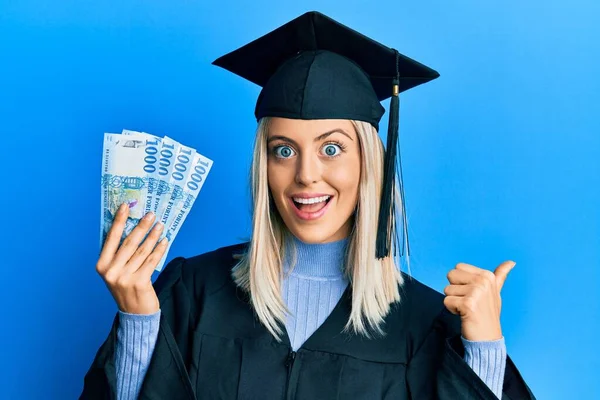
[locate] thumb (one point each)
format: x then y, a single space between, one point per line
502 272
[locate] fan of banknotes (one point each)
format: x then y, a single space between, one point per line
149 173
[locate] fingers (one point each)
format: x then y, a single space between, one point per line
153 259
459 277
145 249
460 305
458 290
113 238
453 304
471 269
468 267
133 240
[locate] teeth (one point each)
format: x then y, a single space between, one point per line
311 201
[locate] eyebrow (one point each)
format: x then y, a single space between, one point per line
318 138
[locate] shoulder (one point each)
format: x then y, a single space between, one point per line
211 270
424 310
200 274
418 296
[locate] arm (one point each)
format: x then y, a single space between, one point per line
488 360
438 370
166 376
136 338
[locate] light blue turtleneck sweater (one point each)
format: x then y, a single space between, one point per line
311 291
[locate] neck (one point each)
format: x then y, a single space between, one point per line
324 260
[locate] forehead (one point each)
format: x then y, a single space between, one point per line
308 127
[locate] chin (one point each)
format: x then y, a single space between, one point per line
314 234
311 238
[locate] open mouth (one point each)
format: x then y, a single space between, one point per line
313 205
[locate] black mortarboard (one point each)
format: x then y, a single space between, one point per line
316 68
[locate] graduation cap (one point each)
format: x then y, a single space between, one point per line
313 67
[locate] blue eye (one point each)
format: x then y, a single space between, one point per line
330 150
286 151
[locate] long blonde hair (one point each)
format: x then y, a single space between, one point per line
375 283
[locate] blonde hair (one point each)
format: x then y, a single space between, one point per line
375 283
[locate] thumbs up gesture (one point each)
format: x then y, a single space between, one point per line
474 294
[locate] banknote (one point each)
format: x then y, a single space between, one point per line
125 170
166 162
182 164
181 208
153 177
149 173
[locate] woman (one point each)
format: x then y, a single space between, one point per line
311 307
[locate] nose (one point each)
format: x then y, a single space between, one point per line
308 170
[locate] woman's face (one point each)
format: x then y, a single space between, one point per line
316 161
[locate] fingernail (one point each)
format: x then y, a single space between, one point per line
123 207
159 226
149 216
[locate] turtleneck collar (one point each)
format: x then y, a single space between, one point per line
321 260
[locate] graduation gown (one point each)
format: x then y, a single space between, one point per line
211 346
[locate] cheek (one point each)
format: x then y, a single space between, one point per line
270 175
277 178
345 179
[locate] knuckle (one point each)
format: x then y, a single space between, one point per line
126 241
156 232
145 249
487 284
469 303
122 282
142 225
139 251
447 301
100 268
111 277
489 275
153 257
145 223
153 232
152 239
481 280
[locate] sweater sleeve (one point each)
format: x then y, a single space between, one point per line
488 360
166 376
136 338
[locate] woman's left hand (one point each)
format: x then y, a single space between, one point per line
474 294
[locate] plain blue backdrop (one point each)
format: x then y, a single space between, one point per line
500 157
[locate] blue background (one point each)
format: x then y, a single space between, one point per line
500 157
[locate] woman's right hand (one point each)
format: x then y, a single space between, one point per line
127 270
